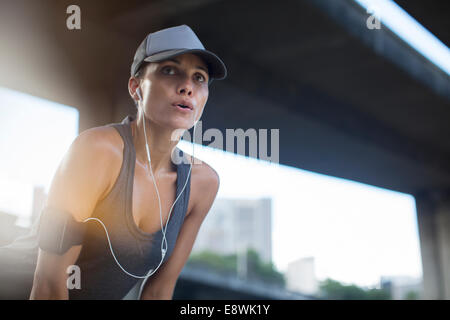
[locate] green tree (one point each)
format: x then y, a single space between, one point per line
412 295
378 294
220 263
334 290
256 268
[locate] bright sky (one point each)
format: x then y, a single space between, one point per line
357 233
31 151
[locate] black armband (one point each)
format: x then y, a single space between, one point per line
59 231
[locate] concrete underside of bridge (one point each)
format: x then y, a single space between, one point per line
350 102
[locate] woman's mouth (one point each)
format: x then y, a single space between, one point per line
184 107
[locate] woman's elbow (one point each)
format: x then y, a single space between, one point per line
45 288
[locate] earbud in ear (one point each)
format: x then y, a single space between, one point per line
138 92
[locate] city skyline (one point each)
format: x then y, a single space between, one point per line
235 225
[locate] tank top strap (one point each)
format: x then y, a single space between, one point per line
182 168
183 175
124 181
126 175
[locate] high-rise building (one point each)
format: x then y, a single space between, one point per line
234 225
301 276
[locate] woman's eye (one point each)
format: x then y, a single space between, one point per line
168 70
200 77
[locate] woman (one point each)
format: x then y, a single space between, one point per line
141 211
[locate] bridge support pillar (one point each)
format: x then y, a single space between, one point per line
433 216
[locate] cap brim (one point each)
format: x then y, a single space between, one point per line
216 67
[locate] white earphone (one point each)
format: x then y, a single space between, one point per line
138 92
164 244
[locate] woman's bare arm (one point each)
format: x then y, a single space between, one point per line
161 285
81 180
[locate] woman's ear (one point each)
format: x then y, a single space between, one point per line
133 84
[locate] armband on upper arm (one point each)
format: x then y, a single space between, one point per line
59 231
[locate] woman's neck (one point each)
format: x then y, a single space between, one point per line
159 144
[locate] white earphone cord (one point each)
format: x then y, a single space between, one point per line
163 229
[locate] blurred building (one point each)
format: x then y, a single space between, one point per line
233 225
301 277
8 229
39 198
402 286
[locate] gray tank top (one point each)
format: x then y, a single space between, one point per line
136 250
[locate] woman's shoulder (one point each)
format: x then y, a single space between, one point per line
105 143
103 140
102 134
205 182
202 172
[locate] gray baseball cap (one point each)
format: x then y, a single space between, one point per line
174 41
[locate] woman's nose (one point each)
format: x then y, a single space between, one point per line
185 88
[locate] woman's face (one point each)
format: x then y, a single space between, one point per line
180 80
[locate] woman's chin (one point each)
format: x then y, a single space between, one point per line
184 124
180 126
